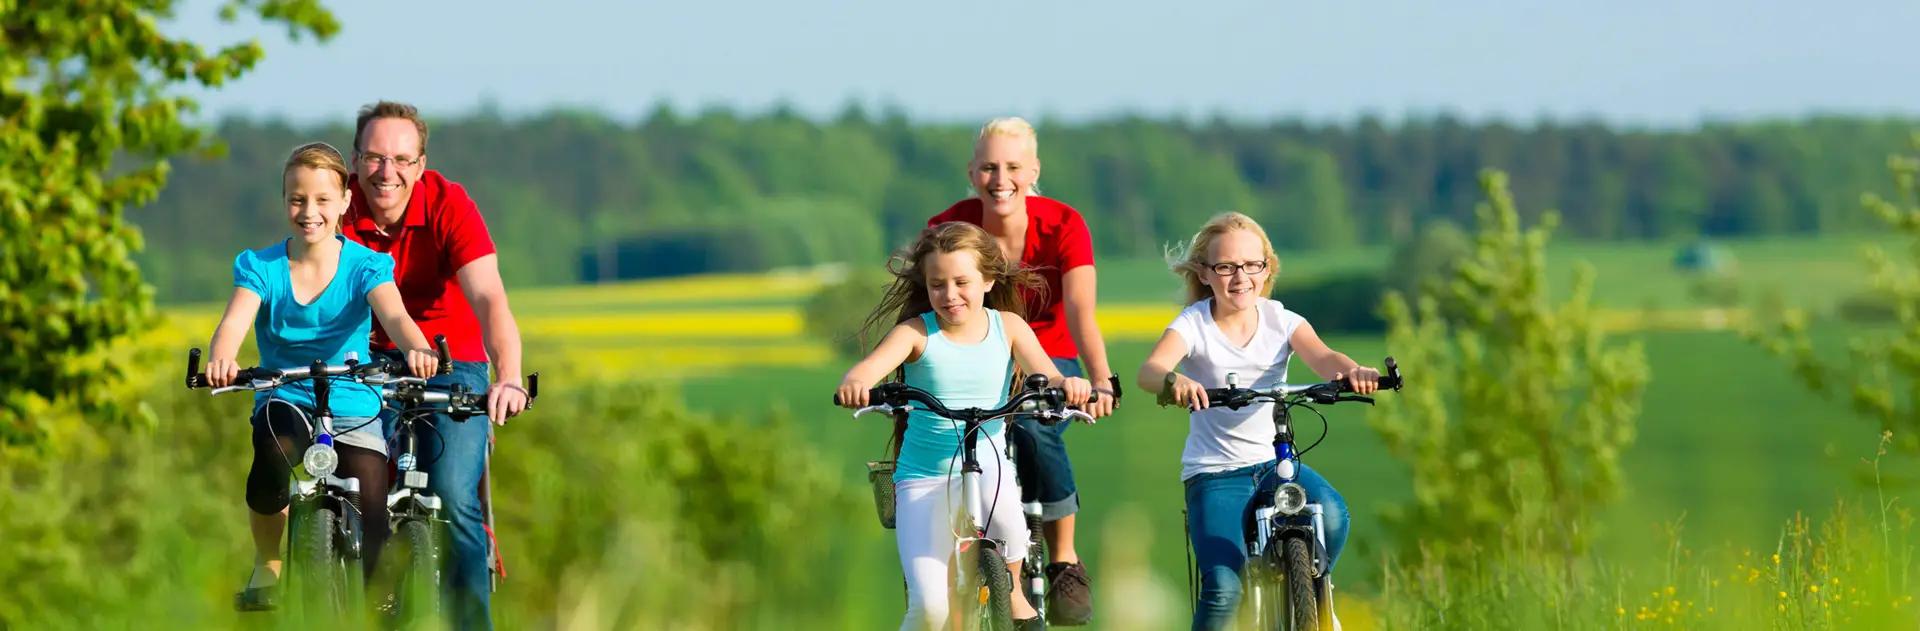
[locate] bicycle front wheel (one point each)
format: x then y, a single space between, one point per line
417 596
987 599
319 566
1303 605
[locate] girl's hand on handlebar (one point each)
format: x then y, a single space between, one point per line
852 393
1363 379
1077 389
424 362
221 372
1189 393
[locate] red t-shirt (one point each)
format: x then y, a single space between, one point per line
441 232
1057 241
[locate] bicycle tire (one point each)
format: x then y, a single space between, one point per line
988 603
319 569
1303 607
418 601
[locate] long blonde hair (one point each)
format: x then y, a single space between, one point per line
1191 264
907 298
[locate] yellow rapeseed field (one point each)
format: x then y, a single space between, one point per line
672 327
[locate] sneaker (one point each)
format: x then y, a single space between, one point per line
1069 600
1030 624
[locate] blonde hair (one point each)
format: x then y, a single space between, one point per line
1011 127
1191 264
907 298
318 156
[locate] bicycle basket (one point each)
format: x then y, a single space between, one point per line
880 474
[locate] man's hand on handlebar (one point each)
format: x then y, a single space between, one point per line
221 371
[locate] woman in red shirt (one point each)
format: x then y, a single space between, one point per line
1049 236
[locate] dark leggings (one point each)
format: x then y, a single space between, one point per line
280 436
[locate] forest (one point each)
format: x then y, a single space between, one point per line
581 197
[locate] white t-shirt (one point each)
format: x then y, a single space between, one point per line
1219 439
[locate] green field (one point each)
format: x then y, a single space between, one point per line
1728 440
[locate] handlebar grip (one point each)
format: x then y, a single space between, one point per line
194 378
446 356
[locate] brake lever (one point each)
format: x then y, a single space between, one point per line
1366 400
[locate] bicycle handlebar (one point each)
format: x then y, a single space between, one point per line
1234 397
379 372
893 396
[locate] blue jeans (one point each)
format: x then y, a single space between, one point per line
1040 458
1217 513
455 478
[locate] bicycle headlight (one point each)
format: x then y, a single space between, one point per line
320 460
1290 499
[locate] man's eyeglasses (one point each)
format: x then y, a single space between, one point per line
1251 267
374 160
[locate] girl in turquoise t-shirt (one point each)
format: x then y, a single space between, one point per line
312 297
957 337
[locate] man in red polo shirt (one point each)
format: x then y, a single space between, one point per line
449 278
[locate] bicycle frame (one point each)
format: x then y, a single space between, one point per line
1046 403
1286 513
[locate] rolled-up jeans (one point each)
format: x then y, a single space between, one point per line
454 476
1040 455
1218 507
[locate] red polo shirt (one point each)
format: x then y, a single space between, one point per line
1057 241
441 232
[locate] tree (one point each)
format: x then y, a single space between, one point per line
1882 364
88 130
1515 410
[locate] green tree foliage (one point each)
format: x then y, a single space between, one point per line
88 126
590 189
1516 410
1882 372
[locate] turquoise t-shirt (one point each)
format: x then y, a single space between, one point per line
340 321
961 376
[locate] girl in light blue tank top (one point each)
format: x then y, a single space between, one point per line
956 335
961 376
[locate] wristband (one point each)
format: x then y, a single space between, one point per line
523 391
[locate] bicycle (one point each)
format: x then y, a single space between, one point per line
413 510
323 524
984 586
1285 523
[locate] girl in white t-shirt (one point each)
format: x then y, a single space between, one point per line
1231 326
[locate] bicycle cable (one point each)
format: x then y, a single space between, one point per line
1324 427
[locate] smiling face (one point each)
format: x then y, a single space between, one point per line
315 200
956 290
1242 256
1004 169
390 162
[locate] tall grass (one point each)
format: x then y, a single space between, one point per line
1850 570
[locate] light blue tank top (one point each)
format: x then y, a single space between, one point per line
960 376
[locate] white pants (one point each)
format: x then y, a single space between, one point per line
924 514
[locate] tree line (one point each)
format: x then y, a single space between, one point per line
579 197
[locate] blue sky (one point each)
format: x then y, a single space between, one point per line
1628 61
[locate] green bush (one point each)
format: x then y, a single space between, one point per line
616 508
834 314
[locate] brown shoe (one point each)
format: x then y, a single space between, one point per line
1069 599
